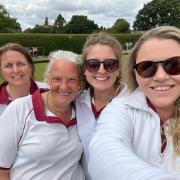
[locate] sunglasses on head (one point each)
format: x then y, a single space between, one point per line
110 65
148 69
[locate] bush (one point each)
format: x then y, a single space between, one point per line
50 42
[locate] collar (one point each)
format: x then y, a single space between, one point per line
4 97
39 110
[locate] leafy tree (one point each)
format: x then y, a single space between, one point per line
59 24
158 13
42 29
120 26
80 25
7 23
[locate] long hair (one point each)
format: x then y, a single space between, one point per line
163 32
101 38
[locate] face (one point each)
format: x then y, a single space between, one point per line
64 82
162 89
101 80
15 68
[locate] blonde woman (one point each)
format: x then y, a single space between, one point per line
101 57
138 137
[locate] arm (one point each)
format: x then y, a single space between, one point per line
111 153
9 136
4 175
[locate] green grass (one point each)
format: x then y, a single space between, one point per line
41 67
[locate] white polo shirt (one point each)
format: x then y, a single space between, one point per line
35 146
4 97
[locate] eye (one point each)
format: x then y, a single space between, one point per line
8 66
21 64
56 79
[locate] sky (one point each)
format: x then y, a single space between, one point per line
102 12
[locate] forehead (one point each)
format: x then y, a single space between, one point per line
64 67
100 51
158 49
12 55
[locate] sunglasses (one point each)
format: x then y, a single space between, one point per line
148 69
110 65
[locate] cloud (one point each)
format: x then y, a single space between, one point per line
103 12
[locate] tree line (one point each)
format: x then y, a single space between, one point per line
153 14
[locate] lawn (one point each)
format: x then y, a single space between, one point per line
40 69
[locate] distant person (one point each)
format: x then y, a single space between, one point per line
101 58
17 70
138 137
38 133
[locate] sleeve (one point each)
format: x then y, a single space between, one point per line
10 133
111 153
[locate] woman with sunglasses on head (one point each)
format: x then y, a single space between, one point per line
39 139
17 69
101 57
138 137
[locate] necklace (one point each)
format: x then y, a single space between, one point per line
64 116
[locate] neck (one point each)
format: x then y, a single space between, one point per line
63 113
102 98
15 92
165 113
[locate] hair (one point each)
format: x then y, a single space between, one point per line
60 55
21 49
163 32
101 38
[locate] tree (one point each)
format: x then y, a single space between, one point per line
42 29
120 26
158 13
59 24
7 23
80 25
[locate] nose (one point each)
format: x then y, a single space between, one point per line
101 68
161 74
15 68
63 85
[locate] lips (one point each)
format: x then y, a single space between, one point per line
17 77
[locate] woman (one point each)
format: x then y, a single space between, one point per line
101 57
138 137
41 134
17 69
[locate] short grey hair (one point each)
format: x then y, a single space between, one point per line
60 55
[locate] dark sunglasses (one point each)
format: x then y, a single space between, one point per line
148 69
110 65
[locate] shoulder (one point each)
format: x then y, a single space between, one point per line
41 84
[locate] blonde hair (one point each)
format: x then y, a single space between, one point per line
101 38
163 32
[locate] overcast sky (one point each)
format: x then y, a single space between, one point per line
103 12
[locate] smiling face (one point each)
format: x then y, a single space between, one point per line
162 89
64 82
15 68
101 80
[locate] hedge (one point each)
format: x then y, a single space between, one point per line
50 42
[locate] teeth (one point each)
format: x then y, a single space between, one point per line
162 88
17 77
101 78
65 94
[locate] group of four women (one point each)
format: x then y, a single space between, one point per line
85 123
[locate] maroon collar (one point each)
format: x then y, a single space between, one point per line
152 106
4 97
96 113
39 110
